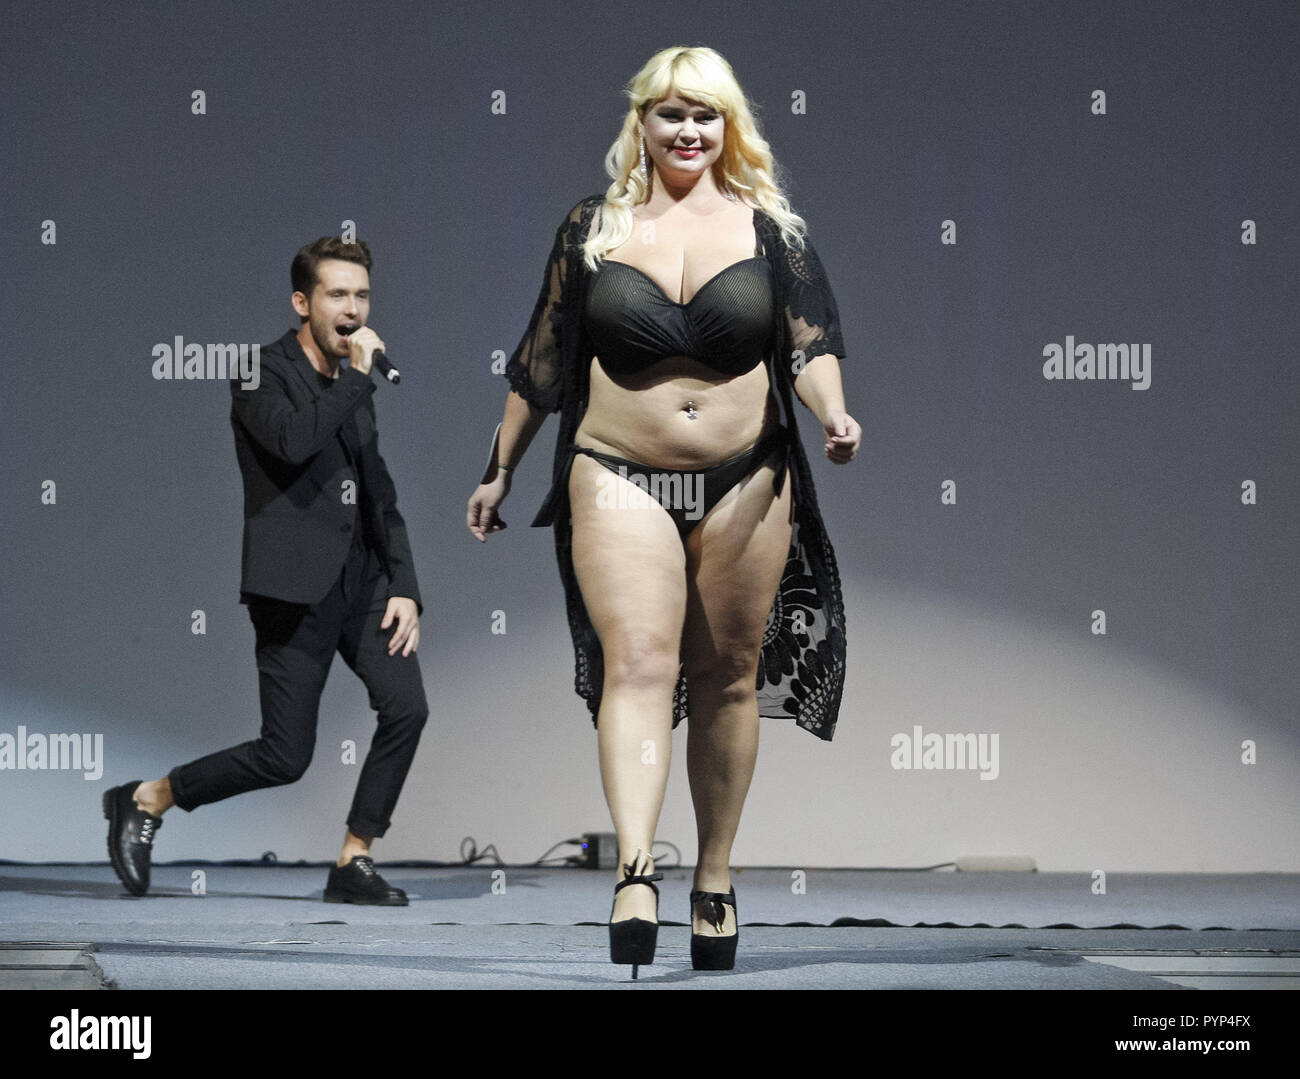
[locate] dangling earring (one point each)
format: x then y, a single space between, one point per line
645 168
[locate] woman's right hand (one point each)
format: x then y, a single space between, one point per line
481 515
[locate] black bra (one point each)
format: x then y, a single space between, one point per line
725 325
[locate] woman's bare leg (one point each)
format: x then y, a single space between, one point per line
630 566
734 563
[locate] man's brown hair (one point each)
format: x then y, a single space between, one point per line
303 271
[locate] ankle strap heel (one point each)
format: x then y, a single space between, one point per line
632 941
710 952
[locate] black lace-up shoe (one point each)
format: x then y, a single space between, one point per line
357 882
130 837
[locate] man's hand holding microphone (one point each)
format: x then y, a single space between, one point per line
366 349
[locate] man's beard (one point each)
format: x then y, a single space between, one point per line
327 346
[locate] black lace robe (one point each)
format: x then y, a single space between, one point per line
801 670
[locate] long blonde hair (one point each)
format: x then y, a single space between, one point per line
745 168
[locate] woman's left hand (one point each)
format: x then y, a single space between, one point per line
843 437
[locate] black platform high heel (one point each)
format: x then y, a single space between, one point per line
633 939
711 952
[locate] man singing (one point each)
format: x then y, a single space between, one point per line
326 567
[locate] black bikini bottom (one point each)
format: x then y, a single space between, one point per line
689 496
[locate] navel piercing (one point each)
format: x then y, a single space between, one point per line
691 414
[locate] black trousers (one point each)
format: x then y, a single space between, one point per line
295 647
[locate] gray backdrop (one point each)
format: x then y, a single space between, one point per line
1118 751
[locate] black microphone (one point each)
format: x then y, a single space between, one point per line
377 358
385 367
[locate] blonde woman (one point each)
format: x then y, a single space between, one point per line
678 313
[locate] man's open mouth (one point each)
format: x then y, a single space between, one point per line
347 328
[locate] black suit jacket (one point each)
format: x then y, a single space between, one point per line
297 526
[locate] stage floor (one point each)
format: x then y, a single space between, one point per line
70 926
